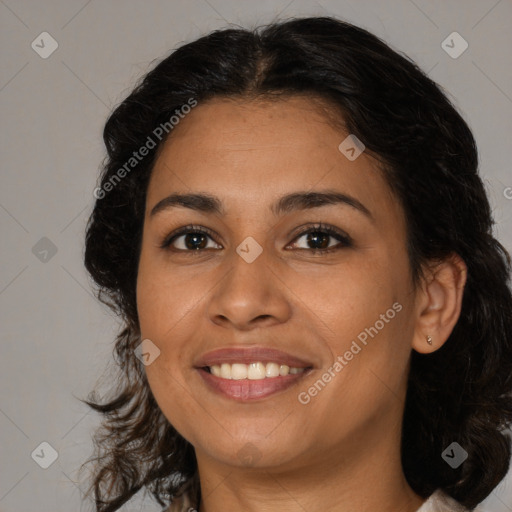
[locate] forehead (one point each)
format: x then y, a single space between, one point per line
237 125
248 151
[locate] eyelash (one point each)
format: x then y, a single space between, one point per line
344 239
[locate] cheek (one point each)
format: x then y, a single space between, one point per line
349 298
163 297
167 388
365 319
164 320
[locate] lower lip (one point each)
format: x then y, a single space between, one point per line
245 389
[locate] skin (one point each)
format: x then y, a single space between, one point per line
340 451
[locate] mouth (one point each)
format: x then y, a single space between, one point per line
254 371
251 374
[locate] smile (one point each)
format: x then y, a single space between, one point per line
250 373
253 371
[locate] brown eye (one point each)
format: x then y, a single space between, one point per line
320 239
189 239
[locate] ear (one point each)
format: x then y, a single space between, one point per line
438 303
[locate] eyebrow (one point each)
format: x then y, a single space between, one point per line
301 200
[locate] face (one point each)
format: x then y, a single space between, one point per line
259 287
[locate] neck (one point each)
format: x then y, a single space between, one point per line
362 475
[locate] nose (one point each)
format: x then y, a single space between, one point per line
251 295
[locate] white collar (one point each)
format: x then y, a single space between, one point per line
441 502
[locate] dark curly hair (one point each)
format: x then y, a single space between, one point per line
428 155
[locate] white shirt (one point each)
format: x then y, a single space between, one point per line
438 502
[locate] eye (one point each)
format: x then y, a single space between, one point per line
193 239
319 235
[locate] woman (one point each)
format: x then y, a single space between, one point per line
316 315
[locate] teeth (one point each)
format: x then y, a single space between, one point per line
238 371
256 371
225 371
253 371
272 370
215 369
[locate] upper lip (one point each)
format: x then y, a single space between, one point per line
249 355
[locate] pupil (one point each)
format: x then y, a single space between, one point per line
193 238
315 235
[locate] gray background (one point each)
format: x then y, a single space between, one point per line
56 338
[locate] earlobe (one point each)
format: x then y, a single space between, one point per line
439 303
